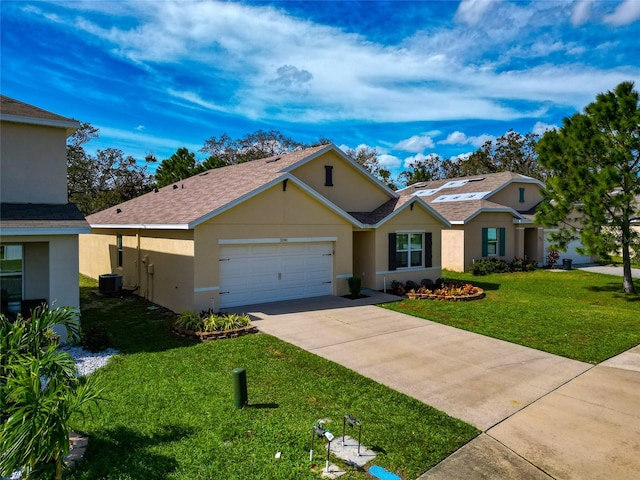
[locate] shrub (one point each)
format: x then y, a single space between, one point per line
426 282
95 338
552 258
40 393
487 266
190 320
355 283
208 321
410 285
397 288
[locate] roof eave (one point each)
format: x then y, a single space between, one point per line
69 125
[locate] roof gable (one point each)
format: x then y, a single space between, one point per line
461 199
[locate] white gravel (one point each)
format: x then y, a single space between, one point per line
86 361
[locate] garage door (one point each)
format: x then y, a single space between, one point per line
259 273
571 253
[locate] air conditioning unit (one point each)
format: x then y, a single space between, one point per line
110 283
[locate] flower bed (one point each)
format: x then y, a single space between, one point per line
451 292
208 326
216 335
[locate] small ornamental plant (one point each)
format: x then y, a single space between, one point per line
211 322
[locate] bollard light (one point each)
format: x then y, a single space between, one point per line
316 430
352 421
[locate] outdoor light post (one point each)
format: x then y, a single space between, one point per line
329 437
320 432
352 421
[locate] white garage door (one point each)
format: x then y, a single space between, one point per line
571 253
259 273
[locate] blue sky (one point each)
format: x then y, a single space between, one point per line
408 78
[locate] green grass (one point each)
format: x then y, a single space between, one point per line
168 410
579 315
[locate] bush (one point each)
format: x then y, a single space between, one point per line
410 285
208 321
40 393
355 284
426 282
95 338
397 288
488 266
552 258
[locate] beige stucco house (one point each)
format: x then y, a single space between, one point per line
38 228
285 227
491 216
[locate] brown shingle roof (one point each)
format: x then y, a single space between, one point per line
190 200
382 212
10 106
38 215
459 211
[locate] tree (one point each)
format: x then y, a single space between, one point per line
368 158
180 165
594 165
430 168
253 146
109 178
511 152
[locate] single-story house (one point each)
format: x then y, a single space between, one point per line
38 227
491 216
290 226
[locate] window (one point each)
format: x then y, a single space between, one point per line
409 250
11 278
119 244
493 241
521 194
328 176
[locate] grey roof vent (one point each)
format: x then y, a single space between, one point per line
271 160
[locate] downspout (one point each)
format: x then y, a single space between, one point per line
138 264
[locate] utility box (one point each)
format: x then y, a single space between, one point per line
110 283
566 263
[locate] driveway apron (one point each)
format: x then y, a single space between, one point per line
542 416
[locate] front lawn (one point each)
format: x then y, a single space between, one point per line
169 411
579 315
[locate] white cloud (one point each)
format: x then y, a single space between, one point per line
416 144
462 157
626 13
140 128
581 12
472 11
389 161
540 128
459 138
274 66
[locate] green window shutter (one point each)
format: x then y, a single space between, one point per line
521 194
502 245
392 251
428 249
485 239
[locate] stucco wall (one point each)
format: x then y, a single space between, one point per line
416 220
510 196
162 267
33 167
473 236
275 215
352 191
364 254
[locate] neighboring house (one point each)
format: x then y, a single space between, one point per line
38 228
492 216
291 226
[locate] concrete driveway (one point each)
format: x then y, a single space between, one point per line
541 414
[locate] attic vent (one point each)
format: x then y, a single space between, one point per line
118 210
271 160
175 187
476 179
203 174
419 184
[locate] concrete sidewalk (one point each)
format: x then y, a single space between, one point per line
543 416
